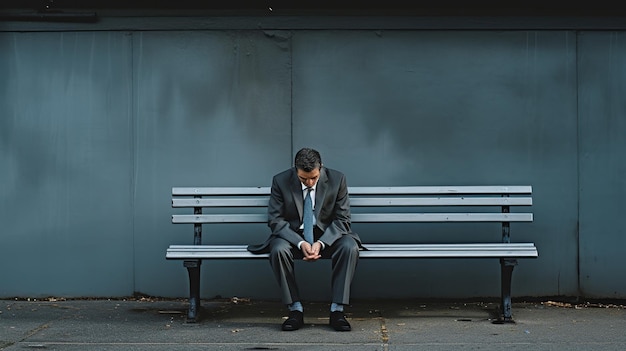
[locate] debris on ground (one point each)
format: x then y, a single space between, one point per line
583 305
239 300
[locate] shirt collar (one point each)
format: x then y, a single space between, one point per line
304 187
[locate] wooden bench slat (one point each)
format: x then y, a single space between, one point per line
440 217
374 247
221 218
458 253
440 201
425 190
484 246
196 191
398 190
365 217
242 202
356 201
512 250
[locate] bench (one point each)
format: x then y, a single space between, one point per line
401 204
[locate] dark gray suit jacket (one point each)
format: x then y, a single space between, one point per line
332 208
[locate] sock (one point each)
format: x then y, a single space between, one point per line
336 307
296 306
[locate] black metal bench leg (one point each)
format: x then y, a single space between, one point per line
506 267
193 268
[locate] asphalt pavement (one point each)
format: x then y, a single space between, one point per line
151 324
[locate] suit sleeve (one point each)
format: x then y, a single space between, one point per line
276 210
341 216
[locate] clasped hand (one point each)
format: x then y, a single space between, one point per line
311 252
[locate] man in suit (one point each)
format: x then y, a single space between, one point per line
332 235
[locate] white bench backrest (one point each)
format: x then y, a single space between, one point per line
408 203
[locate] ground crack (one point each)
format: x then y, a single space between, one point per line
384 333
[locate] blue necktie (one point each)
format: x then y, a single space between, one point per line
307 218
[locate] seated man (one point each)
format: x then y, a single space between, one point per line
329 227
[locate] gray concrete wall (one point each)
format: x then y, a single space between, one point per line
97 126
602 164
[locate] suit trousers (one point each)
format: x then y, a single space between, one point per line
344 254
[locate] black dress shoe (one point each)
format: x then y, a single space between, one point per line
294 322
339 322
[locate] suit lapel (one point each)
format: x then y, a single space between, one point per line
320 191
296 192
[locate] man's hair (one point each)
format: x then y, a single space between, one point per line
308 159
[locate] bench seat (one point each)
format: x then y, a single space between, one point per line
476 250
